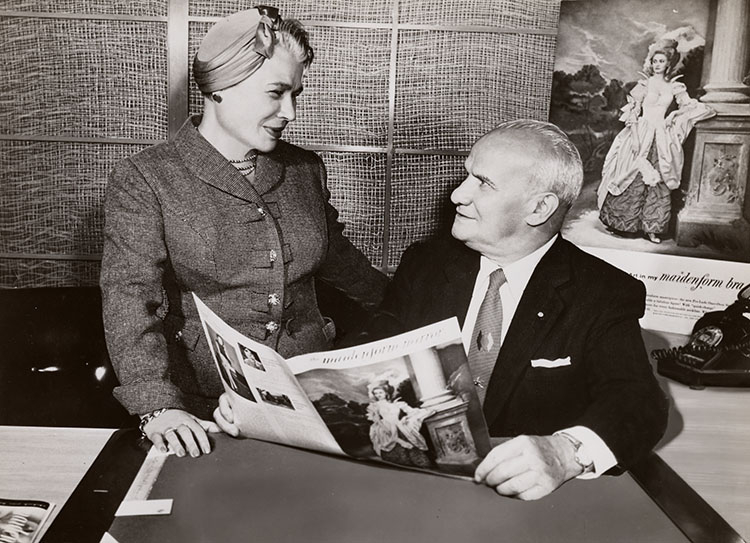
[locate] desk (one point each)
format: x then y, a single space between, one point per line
46 463
251 490
708 440
279 493
706 444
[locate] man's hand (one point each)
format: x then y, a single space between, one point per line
224 416
528 467
181 431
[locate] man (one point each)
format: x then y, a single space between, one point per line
568 375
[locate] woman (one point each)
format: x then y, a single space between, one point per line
644 163
394 431
231 212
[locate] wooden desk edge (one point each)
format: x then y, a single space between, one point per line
89 511
684 506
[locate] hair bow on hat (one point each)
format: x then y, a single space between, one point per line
264 38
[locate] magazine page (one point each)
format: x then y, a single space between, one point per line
267 400
406 400
23 521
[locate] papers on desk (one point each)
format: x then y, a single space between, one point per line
407 400
23 521
137 508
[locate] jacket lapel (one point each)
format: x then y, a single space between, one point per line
268 171
538 311
206 163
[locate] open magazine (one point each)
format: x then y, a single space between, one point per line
407 400
23 521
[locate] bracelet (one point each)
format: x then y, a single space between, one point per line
148 417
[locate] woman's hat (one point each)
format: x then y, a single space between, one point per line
235 47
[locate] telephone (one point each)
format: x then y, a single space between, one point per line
718 351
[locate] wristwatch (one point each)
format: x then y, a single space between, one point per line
580 455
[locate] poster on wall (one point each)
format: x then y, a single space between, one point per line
626 89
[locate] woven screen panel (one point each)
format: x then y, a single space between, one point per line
32 273
420 202
83 78
196 31
356 182
453 87
140 8
345 98
360 11
526 14
53 203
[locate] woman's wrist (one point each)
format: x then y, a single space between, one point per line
148 417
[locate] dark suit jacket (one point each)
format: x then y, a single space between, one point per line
576 306
179 218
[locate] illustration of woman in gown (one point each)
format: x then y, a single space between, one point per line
394 431
644 163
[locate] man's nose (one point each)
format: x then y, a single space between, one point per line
460 195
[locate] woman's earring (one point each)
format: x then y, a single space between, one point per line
216 98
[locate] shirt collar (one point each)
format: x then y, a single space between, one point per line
519 272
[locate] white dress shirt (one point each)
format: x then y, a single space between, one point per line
517 277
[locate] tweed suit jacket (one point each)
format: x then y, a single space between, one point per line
179 218
577 309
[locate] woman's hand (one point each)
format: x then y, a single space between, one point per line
669 121
181 432
224 416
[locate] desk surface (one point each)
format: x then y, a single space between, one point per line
46 463
708 441
279 493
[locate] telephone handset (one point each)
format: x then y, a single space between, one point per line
718 352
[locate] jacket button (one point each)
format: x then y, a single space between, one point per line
272 326
274 299
272 256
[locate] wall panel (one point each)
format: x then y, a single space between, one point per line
398 92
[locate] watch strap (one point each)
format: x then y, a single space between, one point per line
582 459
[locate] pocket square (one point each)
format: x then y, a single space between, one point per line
544 363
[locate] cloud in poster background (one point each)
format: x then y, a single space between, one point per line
615 36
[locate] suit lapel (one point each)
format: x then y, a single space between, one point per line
538 311
206 163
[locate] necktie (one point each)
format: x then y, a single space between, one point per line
485 340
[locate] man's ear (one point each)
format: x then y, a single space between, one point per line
545 205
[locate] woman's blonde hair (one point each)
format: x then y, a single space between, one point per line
668 48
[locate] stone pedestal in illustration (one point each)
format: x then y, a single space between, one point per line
451 435
717 206
449 426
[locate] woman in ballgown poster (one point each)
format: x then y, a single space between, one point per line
644 163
